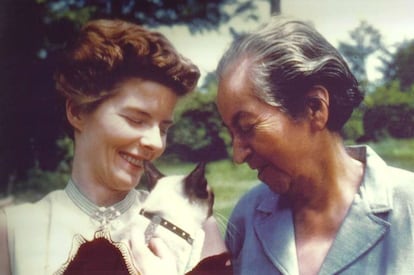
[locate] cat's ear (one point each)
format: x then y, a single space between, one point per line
152 173
196 182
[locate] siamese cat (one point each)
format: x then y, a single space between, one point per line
177 206
174 210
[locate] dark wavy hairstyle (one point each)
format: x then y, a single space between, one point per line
107 51
289 57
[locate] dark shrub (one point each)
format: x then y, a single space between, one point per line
396 121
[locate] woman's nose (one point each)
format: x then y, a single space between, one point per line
240 151
152 139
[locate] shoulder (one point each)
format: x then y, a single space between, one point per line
245 209
401 177
398 181
260 197
389 185
28 212
252 199
19 218
402 185
55 195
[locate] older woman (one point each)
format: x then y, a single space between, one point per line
121 83
284 94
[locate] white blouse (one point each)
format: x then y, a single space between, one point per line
44 236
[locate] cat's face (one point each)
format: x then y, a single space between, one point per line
186 200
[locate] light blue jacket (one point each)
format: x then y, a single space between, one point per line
376 237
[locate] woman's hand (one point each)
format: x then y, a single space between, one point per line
213 241
154 259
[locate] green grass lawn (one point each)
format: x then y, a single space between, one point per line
228 181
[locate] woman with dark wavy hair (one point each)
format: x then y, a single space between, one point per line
121 84
322 208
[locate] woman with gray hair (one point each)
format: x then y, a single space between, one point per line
323 208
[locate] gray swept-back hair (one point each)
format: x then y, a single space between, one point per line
286 59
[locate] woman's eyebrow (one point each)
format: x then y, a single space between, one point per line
148 115
136 111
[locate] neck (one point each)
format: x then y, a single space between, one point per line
323 196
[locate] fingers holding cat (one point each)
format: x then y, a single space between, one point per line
148 258
154 258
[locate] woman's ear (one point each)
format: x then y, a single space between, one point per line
73 114
317 106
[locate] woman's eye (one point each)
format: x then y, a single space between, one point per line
137 121
134 120
246 128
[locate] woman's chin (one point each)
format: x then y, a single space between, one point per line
277 181
127 180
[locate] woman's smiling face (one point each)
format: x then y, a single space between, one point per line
263 136
124 130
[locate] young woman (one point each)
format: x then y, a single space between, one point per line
121 83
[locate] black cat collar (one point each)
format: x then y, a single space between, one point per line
157 220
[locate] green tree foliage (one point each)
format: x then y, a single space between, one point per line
365 41
400 67
32 34
386 111
353 129
197 15
389 113
199 133
390 94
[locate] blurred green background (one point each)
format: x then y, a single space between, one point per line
35 152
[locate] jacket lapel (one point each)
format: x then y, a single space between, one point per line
359 232
274 229
366 222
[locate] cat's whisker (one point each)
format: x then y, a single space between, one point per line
229 229
221 220
226 226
